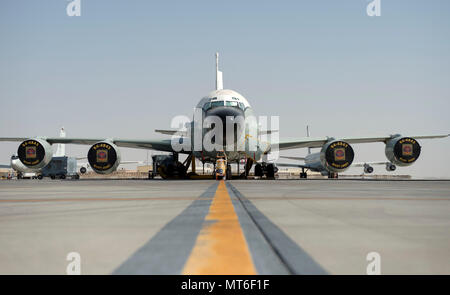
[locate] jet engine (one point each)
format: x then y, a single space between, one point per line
35 153
104 157
335 156
402 151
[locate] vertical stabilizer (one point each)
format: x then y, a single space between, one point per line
219 77
61 148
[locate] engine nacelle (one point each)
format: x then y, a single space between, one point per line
35 153
368 169
402 151
390 167
104 157
336 156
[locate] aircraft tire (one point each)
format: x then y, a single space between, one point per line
258 170
270 171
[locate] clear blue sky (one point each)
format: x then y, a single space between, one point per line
124 68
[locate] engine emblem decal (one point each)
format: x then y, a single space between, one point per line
407 149
102 156
339 154
30 152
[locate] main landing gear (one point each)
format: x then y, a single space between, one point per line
265 169
303 174
332 175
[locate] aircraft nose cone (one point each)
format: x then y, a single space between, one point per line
223 113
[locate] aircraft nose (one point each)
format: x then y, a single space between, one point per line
223 113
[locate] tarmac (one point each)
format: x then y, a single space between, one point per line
232 227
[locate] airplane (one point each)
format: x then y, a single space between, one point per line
216 109
310 165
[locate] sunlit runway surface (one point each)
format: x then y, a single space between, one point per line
233 227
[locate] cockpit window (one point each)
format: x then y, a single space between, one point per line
232 104
215 104
221 103
207 106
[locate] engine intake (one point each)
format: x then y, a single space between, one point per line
35 153
336 156
402 151
104 157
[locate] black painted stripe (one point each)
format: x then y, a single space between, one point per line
168 250
264 258
295 259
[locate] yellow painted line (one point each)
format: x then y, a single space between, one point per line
220 248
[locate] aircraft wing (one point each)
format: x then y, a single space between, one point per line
160 145
315 142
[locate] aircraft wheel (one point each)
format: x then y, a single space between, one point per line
258 170
332 175
270 171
